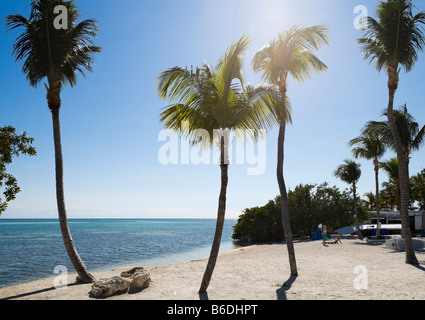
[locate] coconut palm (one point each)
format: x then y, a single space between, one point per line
412 136
393 42
370 147
56 55
388 195
216 100
370 203
393 184
418 183
289 55
350 173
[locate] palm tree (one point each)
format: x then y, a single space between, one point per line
55 54
290 54
370 203
388 195
370 147
393 184
411 135
350 173
393 42
418 182
214 98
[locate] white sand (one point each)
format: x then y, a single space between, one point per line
258 272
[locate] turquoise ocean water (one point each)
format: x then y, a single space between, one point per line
30 249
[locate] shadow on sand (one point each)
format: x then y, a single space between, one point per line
419 266
23 295
281 292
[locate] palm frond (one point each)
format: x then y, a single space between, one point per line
367 146
348 172
215 99
291 52
419 139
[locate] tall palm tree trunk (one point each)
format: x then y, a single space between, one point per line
284 199
378 211
403 172
76 261
356 214
224 166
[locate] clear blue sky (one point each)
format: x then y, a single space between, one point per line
110 120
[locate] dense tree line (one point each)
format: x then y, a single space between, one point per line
310 205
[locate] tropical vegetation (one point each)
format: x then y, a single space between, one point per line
218 100
11 145
370 147
418 189
310 205
350 173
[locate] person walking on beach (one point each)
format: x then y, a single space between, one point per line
324 234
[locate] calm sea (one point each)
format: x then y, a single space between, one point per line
30 249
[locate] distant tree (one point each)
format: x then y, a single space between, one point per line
388 195
369 146
412 135
11 145
371 201
391 168
320 204
418 189
310 206
350 173
260 224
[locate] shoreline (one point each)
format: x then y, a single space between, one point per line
162 260
31 249
354 269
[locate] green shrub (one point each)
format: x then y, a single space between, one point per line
260 224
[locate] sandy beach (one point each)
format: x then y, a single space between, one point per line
352 270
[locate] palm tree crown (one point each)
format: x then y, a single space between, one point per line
212 98
367 146
411 134
348 172
395 38
291 54
57 54
393 183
